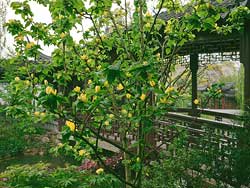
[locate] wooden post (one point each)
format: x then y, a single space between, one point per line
243 136
194 60
245 59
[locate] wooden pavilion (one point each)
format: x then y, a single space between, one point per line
235 44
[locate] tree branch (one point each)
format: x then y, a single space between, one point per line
102 162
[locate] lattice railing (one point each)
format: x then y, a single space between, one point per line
218 140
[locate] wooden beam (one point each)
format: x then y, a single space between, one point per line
212 43
197 121
210 112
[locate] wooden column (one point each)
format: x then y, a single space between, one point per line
194 60
245 59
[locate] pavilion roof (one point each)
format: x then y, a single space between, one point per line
206 42
228 4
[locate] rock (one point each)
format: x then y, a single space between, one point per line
45 139
41 153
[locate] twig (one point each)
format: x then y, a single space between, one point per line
103 163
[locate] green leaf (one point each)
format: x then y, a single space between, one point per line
112 72
202 13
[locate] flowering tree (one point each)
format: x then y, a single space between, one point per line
117 75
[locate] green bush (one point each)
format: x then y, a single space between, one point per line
19 118
172 168
41 175
12 140
206 162
17 135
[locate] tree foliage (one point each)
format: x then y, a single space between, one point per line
119 74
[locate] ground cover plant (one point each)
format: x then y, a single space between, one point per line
118 75
39 175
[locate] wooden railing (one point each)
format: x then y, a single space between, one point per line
166 129
216 113
221 140
204 135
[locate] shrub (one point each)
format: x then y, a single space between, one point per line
40 175
11 140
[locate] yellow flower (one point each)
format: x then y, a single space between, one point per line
36 113
87 69
130 115
103 37
148 25
60 144
99 67
120 87
97 89
143 97
105 13
89 61
43 114
54 91
106 84
30 45
62 35
196 101
99 171
152 83
106 123
219 91
111 116
49 90
145 62
84 57
71 125
77 89
124 111
82 152
158 55
94 98
163 100
27 82
17 79
148 14
89 82
45 82
128 95
169 89
83 97
97 40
